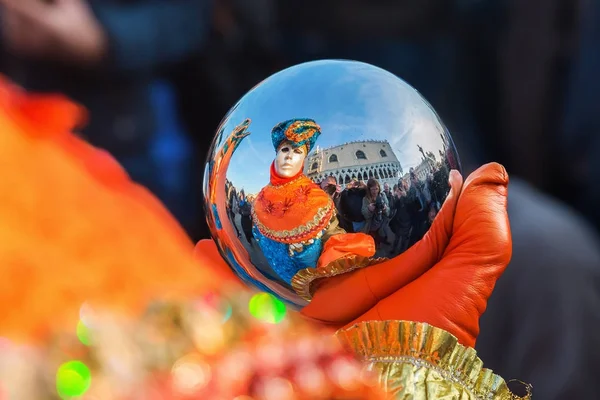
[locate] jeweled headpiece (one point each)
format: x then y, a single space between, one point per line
299 132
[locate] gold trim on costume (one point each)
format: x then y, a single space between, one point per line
316 225
419 361
303 280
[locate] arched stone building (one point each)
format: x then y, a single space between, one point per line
361 160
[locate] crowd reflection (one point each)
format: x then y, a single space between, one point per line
395 217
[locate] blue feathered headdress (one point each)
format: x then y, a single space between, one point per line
299 132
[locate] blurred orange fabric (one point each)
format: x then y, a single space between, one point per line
74 228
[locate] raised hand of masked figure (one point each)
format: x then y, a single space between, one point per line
445 279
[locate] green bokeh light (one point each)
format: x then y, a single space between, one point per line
83 333
267 308
73 379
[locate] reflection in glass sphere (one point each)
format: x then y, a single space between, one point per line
324 156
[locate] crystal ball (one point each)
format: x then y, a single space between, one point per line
327 151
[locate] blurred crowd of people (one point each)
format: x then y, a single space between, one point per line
395 217
516 82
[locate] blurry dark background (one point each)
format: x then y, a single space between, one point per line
515 81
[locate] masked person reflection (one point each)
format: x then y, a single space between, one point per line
294 219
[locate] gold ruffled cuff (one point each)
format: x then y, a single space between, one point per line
304 279
418 361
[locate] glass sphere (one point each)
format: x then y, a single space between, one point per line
327 151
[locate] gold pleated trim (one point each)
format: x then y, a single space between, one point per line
385 344
301 233
303 280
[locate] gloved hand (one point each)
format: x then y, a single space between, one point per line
452 294
445 279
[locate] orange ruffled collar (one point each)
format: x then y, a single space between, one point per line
292 210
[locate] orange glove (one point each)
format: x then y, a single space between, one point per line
453 293
445 279
74 228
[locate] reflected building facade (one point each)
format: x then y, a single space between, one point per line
355 160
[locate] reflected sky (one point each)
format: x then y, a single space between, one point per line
351 101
